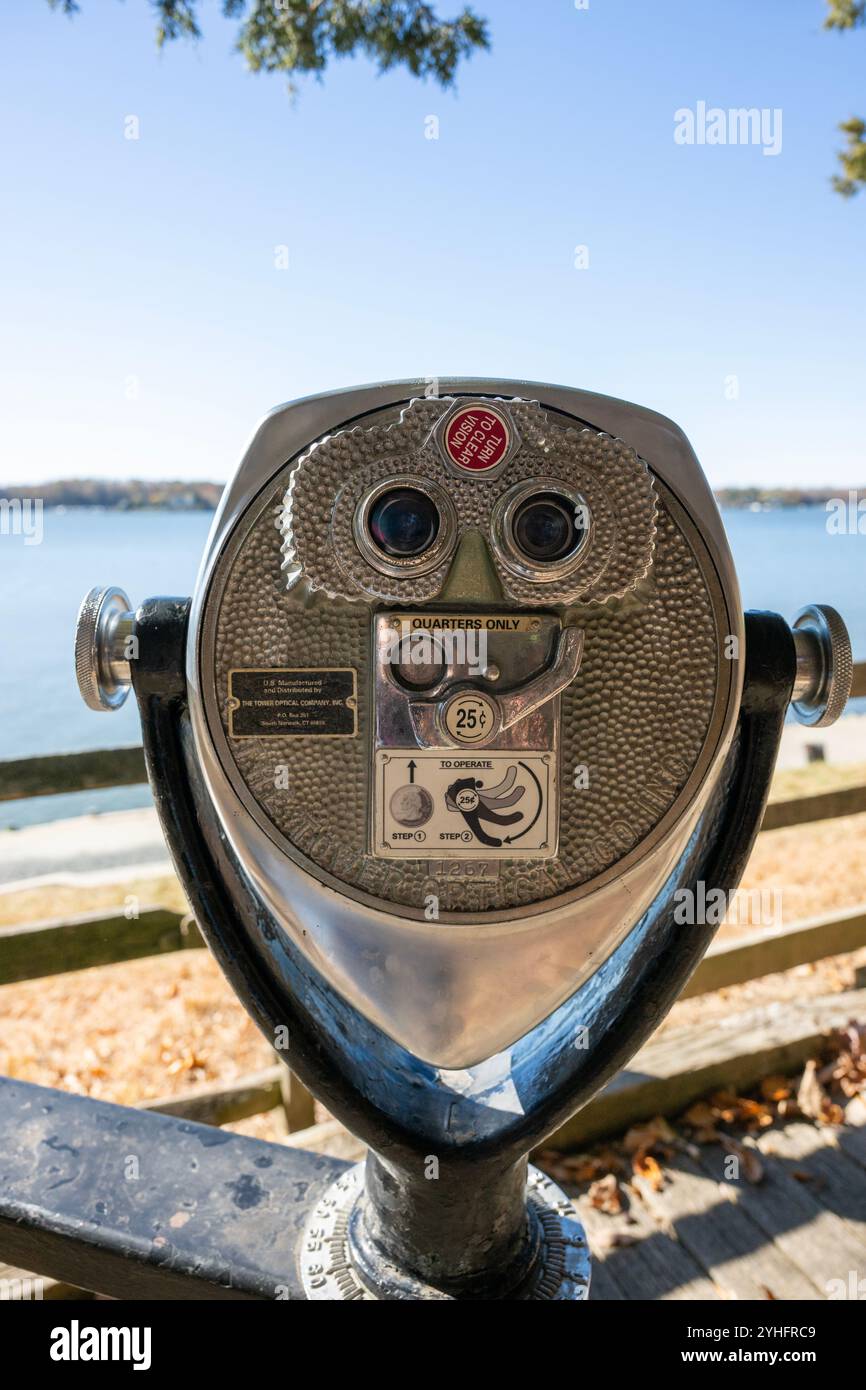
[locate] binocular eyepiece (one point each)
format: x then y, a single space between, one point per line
464 695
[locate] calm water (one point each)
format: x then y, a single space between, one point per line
784 559
41 587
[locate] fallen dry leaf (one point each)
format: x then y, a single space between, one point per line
751 1167
645 1136
583 1168
578 1168
814 1179
605 1195
647 1167
810 1092
701 1115
775 1088
753 1113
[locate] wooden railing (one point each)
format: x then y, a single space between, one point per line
54 947
104 938
56 773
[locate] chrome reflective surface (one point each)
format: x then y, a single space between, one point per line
105 625
825 666
440 548
563 669
445 990
507 547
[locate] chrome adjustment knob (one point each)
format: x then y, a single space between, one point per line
104 633
825 668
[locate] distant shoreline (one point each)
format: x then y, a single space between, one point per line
176 496
133 495
768 499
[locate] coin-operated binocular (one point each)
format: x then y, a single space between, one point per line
463 700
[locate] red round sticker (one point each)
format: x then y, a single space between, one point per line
476 439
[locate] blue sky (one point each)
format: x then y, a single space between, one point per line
146 326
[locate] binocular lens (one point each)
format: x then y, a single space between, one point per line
403 522
545 527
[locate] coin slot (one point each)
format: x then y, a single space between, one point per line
419 663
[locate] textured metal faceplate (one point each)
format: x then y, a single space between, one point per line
319 546
637 719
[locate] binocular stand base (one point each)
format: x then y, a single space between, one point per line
336 1265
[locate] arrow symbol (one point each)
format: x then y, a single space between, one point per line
509 839
412 766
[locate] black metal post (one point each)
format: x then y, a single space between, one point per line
468 1234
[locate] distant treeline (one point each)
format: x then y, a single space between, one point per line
137 493
782 496
121 496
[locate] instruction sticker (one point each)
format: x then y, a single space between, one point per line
293 702
493 805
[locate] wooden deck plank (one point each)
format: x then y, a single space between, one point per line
821 1245
602 1286
839 1183
680 1065
852 1139
704 1238
722 1237
655 1266
19 1285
